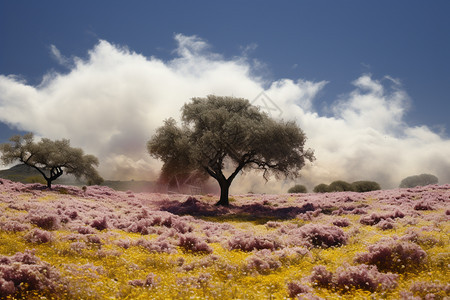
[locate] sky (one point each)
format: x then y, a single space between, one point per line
367 81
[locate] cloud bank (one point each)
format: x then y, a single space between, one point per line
111 102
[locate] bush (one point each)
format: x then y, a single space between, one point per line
296 287
321 188
393 255
24 270
298 188
323 236
365 186
250 242
418 180
39 236
190 242
353 277
340 186
45 221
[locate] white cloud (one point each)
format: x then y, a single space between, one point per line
111 103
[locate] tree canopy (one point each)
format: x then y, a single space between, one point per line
222 136
50 158
418 180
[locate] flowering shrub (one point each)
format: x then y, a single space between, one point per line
353 277
25 270
44 220
323 236
375 218
39 236
247 242
393 255
295 288
190 242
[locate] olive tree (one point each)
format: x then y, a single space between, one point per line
418 180
222 136
50 158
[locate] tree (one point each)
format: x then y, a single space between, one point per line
298 188
340 186
50 158
222 136
365 186
418 180
321 188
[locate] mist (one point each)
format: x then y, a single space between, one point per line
111 102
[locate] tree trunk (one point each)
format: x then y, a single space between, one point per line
224 189
49 183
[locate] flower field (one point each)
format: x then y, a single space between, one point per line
97 243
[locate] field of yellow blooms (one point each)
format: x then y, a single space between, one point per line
97 243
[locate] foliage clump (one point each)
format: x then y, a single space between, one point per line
365 186
25 271
393 255
347 278
298 188
418 180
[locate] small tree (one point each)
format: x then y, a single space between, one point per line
418 180
321 188
222 136
298 188
50 158
365 186
340 186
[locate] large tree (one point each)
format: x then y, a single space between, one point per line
222 136
50 158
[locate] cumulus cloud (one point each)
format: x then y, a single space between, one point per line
111 103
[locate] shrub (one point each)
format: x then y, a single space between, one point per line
353 277
323 236
263 261
375 218
250 242
341 222
393 255
24 270
298 188
340 186
190 242
321 188
295 288
100 224
39 236
365 186
45 221
363 277
418 180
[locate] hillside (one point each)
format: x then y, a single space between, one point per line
97 243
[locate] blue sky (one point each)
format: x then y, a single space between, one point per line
328 50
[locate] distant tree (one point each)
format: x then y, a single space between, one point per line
321 188
339 186
226 133
418 180
365 186
50 158
298 188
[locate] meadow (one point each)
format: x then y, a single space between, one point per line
97 243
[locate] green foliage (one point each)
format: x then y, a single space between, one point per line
365 186
50 158
321 188
298 188
227 130
340 186
418 180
